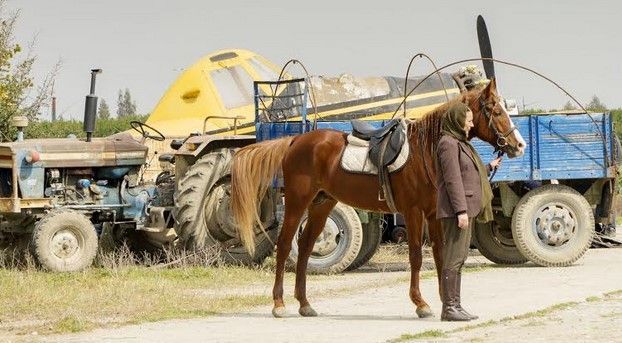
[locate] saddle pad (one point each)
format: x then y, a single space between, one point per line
355 157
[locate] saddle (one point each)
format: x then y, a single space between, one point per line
388 138
385 144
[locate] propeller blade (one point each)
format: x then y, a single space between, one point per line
484 47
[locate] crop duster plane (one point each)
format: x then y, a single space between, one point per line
220 86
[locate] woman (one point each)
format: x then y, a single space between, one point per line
464 194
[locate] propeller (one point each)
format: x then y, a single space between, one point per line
484 47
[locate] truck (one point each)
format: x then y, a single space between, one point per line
551 203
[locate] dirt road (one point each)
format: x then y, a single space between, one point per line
378 310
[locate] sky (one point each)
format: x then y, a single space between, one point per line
143 45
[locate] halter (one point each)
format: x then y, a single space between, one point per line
501 137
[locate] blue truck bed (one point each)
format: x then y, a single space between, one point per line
560 146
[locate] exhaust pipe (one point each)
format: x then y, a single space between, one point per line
90 108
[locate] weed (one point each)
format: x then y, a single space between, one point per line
421 335
592 299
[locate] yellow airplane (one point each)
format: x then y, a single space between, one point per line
220 86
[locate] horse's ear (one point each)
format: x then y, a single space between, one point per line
491 88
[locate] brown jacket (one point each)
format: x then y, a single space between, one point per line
457 180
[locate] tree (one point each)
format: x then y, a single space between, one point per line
569 106
17 96
595 105
125 105
130 105
103 112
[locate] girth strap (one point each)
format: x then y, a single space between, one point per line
386 191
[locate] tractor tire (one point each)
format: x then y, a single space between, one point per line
143 242
203 218
553 225
372 236
337 246
64 241
495 242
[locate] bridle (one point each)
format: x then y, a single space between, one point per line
502 141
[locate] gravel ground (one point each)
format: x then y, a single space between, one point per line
598 319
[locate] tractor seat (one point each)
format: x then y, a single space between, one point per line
170 158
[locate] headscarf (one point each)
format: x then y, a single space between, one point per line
453 125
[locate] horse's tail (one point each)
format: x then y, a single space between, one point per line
252 172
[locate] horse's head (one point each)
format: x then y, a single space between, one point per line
492 123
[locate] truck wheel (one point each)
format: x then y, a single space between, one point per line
495 242
372 236
202 212
64 241
337 246
553 225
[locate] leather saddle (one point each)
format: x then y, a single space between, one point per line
376 137
385 144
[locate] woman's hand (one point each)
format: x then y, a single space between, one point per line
496 163
463 221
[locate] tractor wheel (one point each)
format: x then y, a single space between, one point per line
203 217
495 242
64 241
553 225
337 246
372 236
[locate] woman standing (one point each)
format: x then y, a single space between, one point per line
464 194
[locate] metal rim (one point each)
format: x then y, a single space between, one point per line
67 243
331 242
502 237
555 225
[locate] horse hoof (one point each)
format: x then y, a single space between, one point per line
279 312
424 312
307 311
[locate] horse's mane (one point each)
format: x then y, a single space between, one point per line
427 129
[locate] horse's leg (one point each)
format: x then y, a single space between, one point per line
436 237
414 224
295 204
318 212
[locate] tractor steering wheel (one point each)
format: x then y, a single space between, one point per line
140 128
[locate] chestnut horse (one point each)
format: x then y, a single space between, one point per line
314 181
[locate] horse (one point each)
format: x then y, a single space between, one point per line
314 181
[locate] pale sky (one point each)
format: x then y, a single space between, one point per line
144 44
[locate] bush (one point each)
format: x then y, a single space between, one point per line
63 128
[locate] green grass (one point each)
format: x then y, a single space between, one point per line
613 293
541 313
422 335
71 324
98 297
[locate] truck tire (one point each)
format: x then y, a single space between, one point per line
553 225
64 241
337 246
372 236
495 242
202 212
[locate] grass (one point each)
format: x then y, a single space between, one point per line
613 293
99 296
422 335
120 289
541 313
